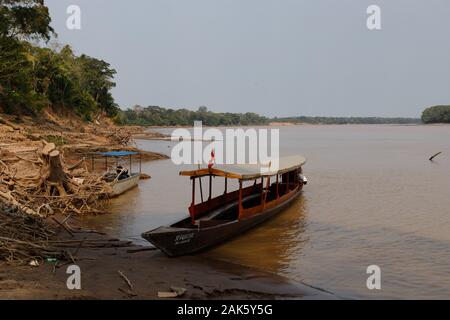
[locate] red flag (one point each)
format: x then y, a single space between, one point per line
212 160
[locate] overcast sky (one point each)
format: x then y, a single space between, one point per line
298 57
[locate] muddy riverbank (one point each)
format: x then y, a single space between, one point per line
104 270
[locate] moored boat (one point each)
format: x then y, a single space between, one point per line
218 219
119 178
122 186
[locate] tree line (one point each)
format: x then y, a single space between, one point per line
347 120
34 77
436 114
158 116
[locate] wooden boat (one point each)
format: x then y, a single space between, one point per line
218 219
118 178
122 186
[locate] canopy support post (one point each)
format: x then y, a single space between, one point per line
130 165
267 191
193 192
201 188
262 190
210 187
226 185
241 209
287 182
278 194
192 207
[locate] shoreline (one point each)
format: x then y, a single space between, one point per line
149 272
297 125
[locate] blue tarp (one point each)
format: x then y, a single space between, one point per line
117 153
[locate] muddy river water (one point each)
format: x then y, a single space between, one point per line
373 198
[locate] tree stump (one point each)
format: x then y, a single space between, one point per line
54 178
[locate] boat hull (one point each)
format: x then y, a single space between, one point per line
121 186
182 241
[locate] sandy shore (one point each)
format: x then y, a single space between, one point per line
149 272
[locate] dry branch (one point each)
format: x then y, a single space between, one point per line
434 156
46 186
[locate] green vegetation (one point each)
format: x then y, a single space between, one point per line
347 120
32 77
436 114
157 116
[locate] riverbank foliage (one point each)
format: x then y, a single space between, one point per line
34 77
158 116
436 114
347 120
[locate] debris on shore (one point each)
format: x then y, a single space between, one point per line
25 239
45 168
44 173
39 183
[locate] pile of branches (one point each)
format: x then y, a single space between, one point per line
120 136
24 238
42 185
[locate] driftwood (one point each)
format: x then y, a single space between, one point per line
50 186
434 156
130 292
174 293
127 281
121 136
25 238
8 199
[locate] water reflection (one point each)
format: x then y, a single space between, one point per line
271 246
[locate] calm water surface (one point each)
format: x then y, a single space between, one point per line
373 198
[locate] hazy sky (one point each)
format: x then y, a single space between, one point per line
298 57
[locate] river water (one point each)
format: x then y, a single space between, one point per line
373 198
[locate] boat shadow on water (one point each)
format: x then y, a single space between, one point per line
272 246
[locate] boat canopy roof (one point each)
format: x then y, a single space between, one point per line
117 153
248 171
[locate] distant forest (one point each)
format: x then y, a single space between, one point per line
347 120
436 114
159 116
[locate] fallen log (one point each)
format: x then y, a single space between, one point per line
434 156
10 201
